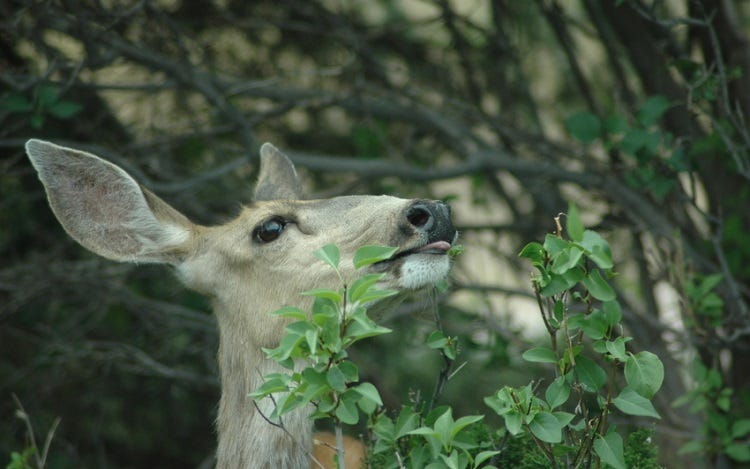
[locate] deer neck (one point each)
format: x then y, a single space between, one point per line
246 436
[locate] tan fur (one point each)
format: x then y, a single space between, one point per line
324 450
105 210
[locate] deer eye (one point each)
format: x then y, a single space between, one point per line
269 230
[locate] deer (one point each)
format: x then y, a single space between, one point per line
252 265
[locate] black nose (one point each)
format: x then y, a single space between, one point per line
432 218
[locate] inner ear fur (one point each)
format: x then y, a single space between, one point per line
105 209
278 179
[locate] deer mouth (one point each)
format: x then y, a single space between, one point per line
417 267
435 248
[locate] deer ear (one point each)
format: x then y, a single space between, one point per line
105 210
278 179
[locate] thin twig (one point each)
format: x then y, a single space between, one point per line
445 371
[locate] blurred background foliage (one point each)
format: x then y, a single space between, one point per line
633 109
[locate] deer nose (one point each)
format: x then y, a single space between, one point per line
432 218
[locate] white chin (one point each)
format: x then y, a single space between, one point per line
422 270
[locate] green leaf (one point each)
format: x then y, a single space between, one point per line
632 403
443 426
691 447
329 254
513 422
36 121
424 431
564 418
287 403
557 392
325 293
573 223
455 251
47 95
359 330
374 293
273 383
368 391
534 252
64 109
597 249
347 410
554 245
464 422
436 340
16 102
612 312
566 259
738 451
584 126
540 355
740 428
652 110
593 325
311 336
633 140
609 450
546 427
287 347
598 287
616 124
407 421
591 376
291 312
484 456
336 379
616 348
362 285
350 370
316 384
560 282
644 373
367 255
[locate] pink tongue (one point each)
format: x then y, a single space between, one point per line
437 245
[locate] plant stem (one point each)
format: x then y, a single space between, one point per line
340 446
445 371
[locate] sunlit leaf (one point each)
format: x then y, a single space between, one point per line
598 286
329 254
367 390
540 355
644 373
632 403
534 252
367 255
290 312
546 427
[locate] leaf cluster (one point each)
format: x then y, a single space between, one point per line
434 441
580 310
44 100
337 321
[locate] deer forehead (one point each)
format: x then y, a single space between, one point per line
345 209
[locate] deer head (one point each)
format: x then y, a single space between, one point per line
255 264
